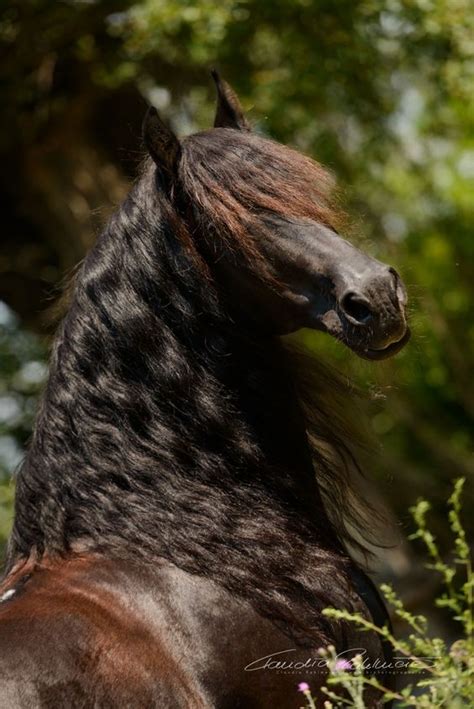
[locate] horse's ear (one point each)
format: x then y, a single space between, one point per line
161 143
229 112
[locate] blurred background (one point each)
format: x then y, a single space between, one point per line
380 91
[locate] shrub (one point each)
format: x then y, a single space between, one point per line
443 674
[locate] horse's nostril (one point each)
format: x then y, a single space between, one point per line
356 308
395 279
399 288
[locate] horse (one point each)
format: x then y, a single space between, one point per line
185 511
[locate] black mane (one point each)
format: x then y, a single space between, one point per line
166 431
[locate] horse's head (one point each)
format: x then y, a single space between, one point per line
264 219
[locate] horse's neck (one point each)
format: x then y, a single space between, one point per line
153 388
167 433
269 406
256 377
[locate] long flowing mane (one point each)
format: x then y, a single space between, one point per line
156 436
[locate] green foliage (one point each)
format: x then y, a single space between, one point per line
23 371
443 674
6 504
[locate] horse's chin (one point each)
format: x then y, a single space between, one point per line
386 352
330 324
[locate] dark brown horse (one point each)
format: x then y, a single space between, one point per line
182 513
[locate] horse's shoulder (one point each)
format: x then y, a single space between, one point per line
71 628
79 598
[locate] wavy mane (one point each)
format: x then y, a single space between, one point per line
166 432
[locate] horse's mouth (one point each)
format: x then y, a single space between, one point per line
386 352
